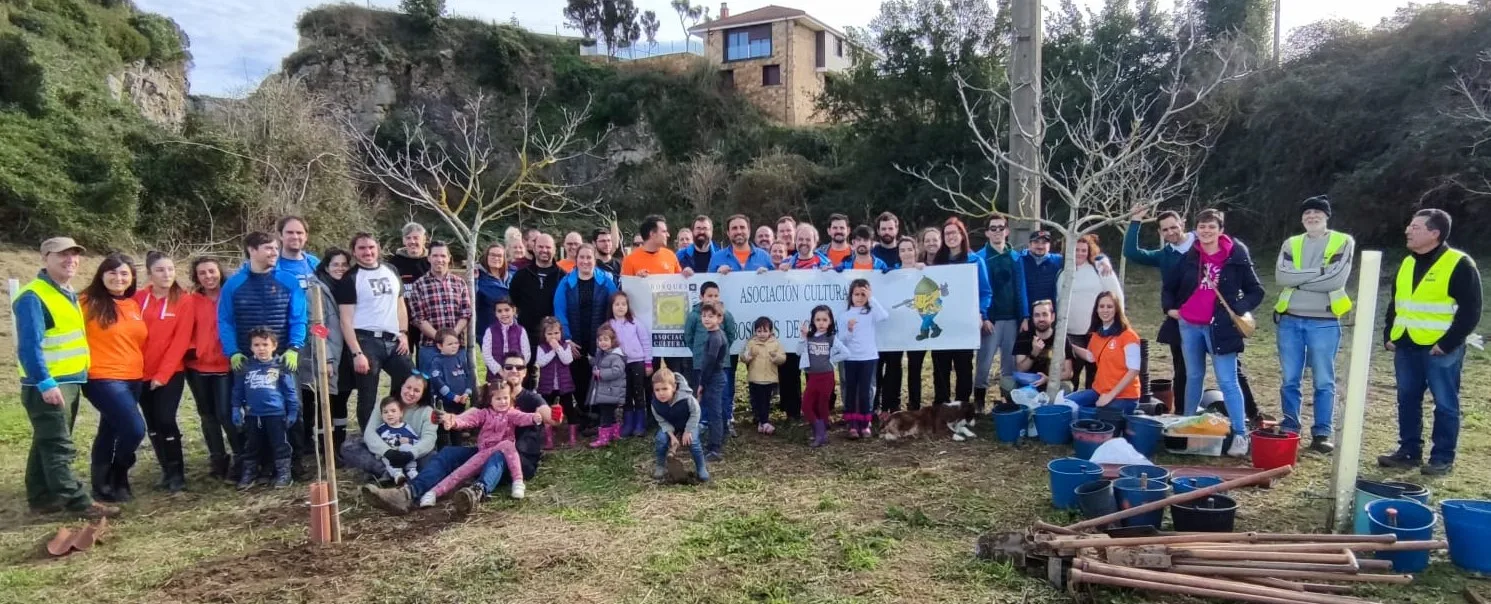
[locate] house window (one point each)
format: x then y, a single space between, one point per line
838 47
748 42
727 79
771 75
818 49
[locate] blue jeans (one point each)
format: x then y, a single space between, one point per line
711 405
1417 370
660 444
121 428
1001 341
859 380
1089 398
492 472
269 431
1314 341
727 404
440 465
1195 343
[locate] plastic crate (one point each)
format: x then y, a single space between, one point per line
1191 444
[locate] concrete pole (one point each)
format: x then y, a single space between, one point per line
1349 448
1278 48
1027 129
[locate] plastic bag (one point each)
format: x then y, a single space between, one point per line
1206 424
1119 451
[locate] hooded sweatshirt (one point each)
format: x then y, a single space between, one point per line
116 352
1198 309
496 426
170 326
208 349
417 418
680 415
265 389
634 340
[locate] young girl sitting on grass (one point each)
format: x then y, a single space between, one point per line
496 417
762 356
608 386
555 383
635 343
819 350
863 313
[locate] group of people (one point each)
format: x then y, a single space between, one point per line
562 348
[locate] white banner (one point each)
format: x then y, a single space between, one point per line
931 309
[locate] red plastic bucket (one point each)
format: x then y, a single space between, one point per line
1274 450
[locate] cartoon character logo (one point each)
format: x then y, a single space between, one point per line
926 300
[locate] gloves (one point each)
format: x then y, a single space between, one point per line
397 457
291 359
292 418
237 361
238 417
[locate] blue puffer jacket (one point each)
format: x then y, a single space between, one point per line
489 289
273 299
567 307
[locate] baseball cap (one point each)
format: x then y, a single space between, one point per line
1041 235
61 244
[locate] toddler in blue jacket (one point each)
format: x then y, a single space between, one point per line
266 404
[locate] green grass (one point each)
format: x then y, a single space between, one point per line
854 522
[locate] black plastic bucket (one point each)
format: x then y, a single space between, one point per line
1095 499
1214 514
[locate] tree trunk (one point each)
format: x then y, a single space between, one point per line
1063 302
473 339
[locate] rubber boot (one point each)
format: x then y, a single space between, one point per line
574 436
548 438
248 473
338 437
627 422
980 395
102 476
603 436
640 427
820 433
219 468
162 458
122 491
283 473
174 467
235 470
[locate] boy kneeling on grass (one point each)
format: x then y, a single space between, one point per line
677 416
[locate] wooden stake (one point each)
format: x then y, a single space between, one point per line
323 400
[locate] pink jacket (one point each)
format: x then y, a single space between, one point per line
634 340
496 427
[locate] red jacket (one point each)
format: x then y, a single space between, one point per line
170 334
208 357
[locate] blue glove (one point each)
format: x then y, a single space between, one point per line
291 418
238 416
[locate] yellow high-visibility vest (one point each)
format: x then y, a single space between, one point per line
1340 302
64 346
1425 312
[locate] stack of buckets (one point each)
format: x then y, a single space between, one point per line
1138 485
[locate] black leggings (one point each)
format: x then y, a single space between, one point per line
636 385
212 392
889 381
790 374
915 359
159 406
761 401
944 364
1083 372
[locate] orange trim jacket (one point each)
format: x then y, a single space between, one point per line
208 356
170 334
116 352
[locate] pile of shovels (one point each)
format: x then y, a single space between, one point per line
1272 568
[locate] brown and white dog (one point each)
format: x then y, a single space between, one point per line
956 416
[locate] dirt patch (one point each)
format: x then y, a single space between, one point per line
313 573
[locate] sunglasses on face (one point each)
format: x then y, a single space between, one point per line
514 367
998 227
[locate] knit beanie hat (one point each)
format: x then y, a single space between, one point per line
1318 202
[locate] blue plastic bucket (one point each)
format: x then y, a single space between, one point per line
1087 413
1467 524
1088 435
1134 492
1054 424
1067 474
1010 421
1416 492
1368 491
1138 470
1145 434
1186 484
1414 522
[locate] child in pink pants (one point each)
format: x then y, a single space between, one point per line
496 418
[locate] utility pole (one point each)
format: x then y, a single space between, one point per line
1278 48
1027 128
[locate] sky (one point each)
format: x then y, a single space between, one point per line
235 43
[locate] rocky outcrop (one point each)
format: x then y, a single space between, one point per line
158 92
367 87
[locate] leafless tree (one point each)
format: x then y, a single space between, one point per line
704 177
477 174
1476 111
1130 148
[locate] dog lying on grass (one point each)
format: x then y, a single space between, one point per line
956 416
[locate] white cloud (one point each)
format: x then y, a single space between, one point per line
235 43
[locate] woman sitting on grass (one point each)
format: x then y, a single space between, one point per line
371 452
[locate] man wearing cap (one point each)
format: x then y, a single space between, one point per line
1312 269
53 355
1436 306
1042 270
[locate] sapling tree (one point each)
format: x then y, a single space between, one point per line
1128 147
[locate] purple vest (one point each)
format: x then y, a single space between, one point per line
506 340
555 377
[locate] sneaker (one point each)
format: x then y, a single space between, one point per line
1322 444
761 428
714 457
854 434
468 499
97 510
732 433
399 479
395 501
519 489
428 500
768 429
411 474
1239 446
866 432
1398 459
659 472
1437 468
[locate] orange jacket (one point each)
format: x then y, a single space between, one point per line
207 355
1111 364
661 262
117 352
170 334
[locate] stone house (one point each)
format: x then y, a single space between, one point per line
779 58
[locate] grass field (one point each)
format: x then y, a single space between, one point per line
855 522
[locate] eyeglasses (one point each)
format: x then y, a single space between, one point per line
514 367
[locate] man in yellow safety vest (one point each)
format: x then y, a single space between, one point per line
1312 269
53 355
1436 305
